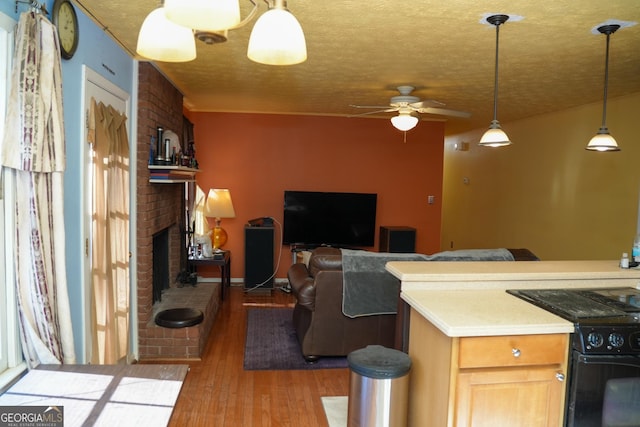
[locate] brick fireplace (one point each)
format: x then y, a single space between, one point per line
161 207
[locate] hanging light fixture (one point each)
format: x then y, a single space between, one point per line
603 141
277 37
404 121
162 40
209 15
495 136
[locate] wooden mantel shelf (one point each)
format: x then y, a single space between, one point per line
161 174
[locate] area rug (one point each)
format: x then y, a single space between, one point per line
336 409
271 343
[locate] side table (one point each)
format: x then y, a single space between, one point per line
224 263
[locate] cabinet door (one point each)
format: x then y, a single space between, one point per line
524 397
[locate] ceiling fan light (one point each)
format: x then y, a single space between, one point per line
603 141
209 15
404 121
277 39
494 136
161 40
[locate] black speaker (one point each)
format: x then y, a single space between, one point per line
397 239
258 257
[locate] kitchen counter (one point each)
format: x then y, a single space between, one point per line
477 352
472 313
464 299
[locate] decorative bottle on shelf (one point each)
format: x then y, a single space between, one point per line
624 261
635 253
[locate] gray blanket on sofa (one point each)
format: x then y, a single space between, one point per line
369 289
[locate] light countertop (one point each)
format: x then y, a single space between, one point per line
472 313
469 298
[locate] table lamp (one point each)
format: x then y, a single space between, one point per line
218 206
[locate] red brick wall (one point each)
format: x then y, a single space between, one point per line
159 205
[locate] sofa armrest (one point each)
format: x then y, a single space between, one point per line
302 285
523 254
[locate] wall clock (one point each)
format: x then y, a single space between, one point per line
66 21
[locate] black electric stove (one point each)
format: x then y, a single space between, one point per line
607 320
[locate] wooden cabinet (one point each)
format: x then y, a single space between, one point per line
494 381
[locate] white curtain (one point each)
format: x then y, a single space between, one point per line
34 150
110 234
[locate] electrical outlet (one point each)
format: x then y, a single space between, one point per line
431 199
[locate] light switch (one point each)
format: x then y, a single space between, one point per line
431 199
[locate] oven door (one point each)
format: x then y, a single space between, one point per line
603 391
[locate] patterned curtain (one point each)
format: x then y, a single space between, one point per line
110 234
34 150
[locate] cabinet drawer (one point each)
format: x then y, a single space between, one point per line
512 350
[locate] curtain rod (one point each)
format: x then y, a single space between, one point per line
34 4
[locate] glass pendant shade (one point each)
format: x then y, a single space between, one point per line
277 39
404 121
603 141
162 40
494 136
209 15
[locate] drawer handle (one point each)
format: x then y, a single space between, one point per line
515 352
560 376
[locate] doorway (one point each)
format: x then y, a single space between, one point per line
107 225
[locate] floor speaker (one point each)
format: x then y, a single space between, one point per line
397 239
258 257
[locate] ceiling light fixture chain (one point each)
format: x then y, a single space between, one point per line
496 20
495 136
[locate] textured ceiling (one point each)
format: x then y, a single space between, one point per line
359 51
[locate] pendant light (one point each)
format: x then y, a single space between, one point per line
603 141
162 40
495 136
277 38
208 15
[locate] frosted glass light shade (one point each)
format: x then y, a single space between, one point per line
404 121
494 136
277 39
219 204
162 40
209 15
603 141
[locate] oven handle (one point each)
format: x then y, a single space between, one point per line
628 360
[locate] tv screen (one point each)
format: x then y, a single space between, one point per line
339 219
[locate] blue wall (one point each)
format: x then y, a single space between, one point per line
99 52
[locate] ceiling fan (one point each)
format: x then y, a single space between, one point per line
409 107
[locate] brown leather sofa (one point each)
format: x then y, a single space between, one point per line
321 326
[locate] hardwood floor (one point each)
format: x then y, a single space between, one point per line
219 392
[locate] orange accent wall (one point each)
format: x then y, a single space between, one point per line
258 156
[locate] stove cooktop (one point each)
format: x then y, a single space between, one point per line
607 321
586 304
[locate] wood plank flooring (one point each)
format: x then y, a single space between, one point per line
219 392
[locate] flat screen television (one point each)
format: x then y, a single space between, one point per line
324 218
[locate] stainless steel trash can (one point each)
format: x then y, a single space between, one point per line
379 387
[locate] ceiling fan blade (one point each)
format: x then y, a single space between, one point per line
386 110
379 107
426 103
444 112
